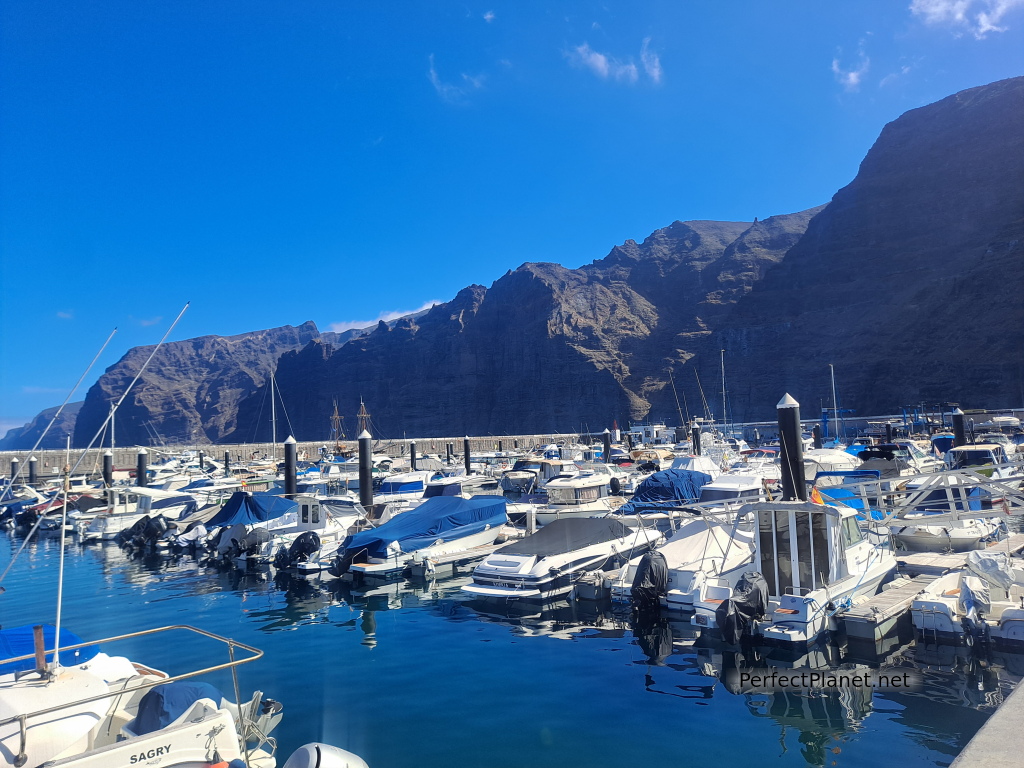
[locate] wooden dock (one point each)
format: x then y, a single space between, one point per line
936 563
876 616
449 565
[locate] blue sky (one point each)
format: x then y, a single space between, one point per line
276 162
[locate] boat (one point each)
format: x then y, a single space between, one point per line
463 486
550 562
926 525
441 525
530 475
294 534
704 548
987 459
811 561
585 494
70 704
981 602
661 496
126 505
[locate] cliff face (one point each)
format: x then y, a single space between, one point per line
191 389
544 349
911 281
23 438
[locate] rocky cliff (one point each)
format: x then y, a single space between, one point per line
544 349
191 389
23 438
911 281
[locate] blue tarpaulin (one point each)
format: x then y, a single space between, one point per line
665 490
244 509
17 641
439 517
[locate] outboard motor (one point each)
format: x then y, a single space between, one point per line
342 560
651 581
318 755
128 536
253 541
749 603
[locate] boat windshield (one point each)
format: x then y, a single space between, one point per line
727 494
573 495
960 459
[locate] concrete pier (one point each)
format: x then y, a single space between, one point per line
996 744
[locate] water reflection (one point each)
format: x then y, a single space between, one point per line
653 655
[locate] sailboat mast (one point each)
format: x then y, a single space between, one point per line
273 420
835 405
60 569
724 411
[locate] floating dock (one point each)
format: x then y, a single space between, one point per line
935 564
877 616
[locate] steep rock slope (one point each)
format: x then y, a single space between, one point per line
23 438
191 389
911 281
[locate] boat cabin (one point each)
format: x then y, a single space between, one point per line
741 489
578 489
980 457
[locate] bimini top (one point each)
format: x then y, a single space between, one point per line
439 517
665 490
17 641
243 509
568 534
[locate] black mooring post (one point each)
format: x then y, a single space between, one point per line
888 432
959 430
33 470
202 460
606 446
290 480
227 463
15 464
365 470
108 468
449 452
816 432
141 464
465 454
695 439
412 455
501 446
794 487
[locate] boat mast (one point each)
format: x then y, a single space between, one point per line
725 419
674 392
364 417
273 421
60 569
835 405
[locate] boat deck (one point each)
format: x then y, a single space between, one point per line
447 565
935 564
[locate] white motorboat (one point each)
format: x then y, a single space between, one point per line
441 525
988 459
551 561
982 601
126 505
914 530
586 494
92 710
815 559
704 548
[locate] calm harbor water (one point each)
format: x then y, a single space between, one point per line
421 675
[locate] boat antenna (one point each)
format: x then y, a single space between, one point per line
66 399
85 452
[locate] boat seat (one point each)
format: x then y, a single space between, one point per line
951 592
787 610
714 600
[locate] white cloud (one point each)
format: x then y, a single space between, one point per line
608 67
651 62
850 78
489 17
979 17
66 315
892 77
148 321
387 317
450 92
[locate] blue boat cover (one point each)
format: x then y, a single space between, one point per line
166 703
244 509
17 641
439 517
665 490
